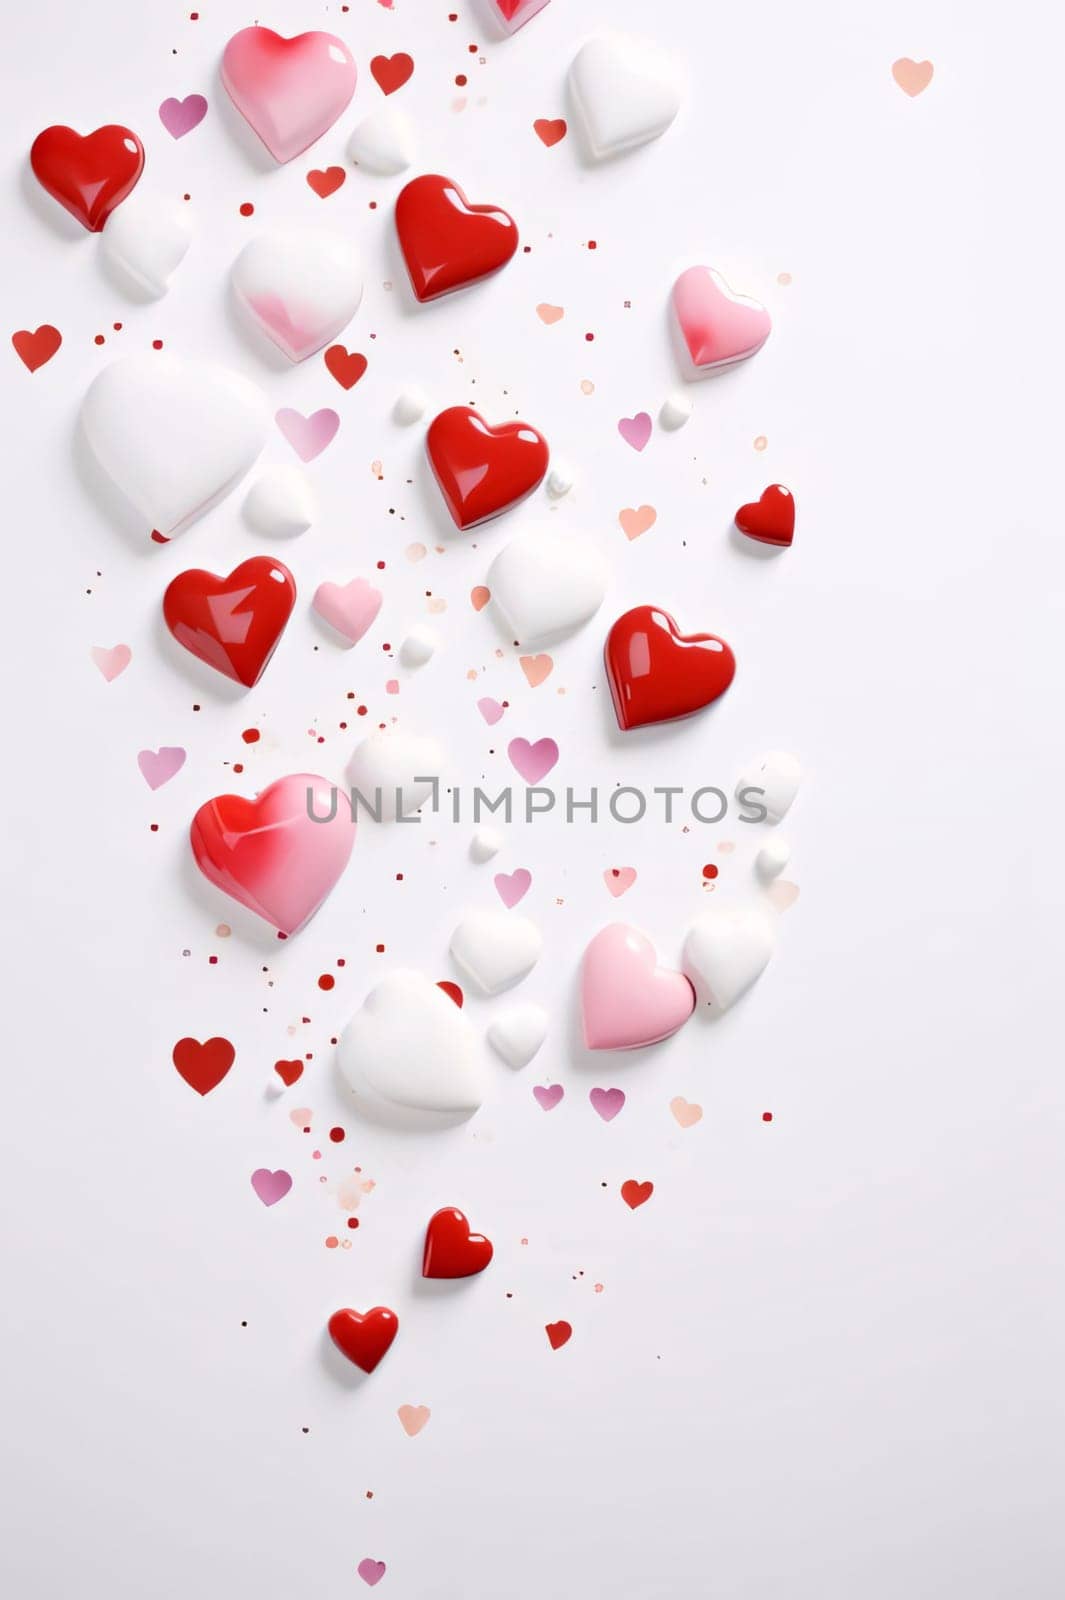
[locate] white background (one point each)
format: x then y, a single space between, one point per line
825 1359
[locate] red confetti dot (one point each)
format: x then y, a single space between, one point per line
247 209
251 736
332 1242
157 344
326 981
337 1135
238 766
117 326
353 1222
461 79
767 1116
99 339
592 245
710 871
589 337
380 949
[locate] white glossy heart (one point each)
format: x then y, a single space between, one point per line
384 768
624 93
281 503
146 238
486 843
300 286
384 142
777 775
547 583
410 1045
496 949
419 646
726 949
175 436
518 1033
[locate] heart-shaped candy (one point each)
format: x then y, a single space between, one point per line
384 142
280 503
364 1337
289 90
350 608
483 471
514 14
627 999
89 174
625 94
718 327
395 772
301 287
174 435
772 781
232 623
547 583
496 949
451 1250
147 240
771 518
279 854
409 1045
657 674
517 1033
726 949
446 242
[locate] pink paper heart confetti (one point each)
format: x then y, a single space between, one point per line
618 879
270 1186
159 766
607 1102
179 117
308 436
350 608
111 662
490 710
514 886
635 430
532 761
547 1095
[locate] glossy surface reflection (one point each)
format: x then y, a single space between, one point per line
232 623
290 91
89 174
483 470
657 674
446 242
451 1250
363 1336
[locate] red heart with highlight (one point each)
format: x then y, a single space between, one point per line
771 518
232 623
451 1250
363 1336
657 673
482 470
448 243
89 174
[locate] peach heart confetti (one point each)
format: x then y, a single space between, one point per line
618 879
912 77
549 313
637 520
550 129
536 668
479 597
412 1419
685 1112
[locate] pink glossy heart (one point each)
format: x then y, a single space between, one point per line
717 326
279 854
350 608
289 91
627 999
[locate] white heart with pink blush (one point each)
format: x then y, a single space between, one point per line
718 326
350 608
627 999
300 286
624 91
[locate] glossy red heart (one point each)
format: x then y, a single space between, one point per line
232 623
657 673
446 242
203 1066
89 174
346 366
451 1250
482 470
363 1336
771 518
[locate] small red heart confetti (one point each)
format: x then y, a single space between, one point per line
391 72
203 1066
452 991
636 1194
346 366
35 349
550 129
558 1334
326 183
289 1072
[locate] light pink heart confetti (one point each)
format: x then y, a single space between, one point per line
618 879
547 1095
179 117
490 710
635 430
111 662
532 761
350 608
308 436
159 766
514 886
370 1571
270 1186
607 1102
413 1419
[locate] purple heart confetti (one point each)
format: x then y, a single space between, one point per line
308 436
607 1102
159 766
270 1186
179 117
532 761
635 430
370 1571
